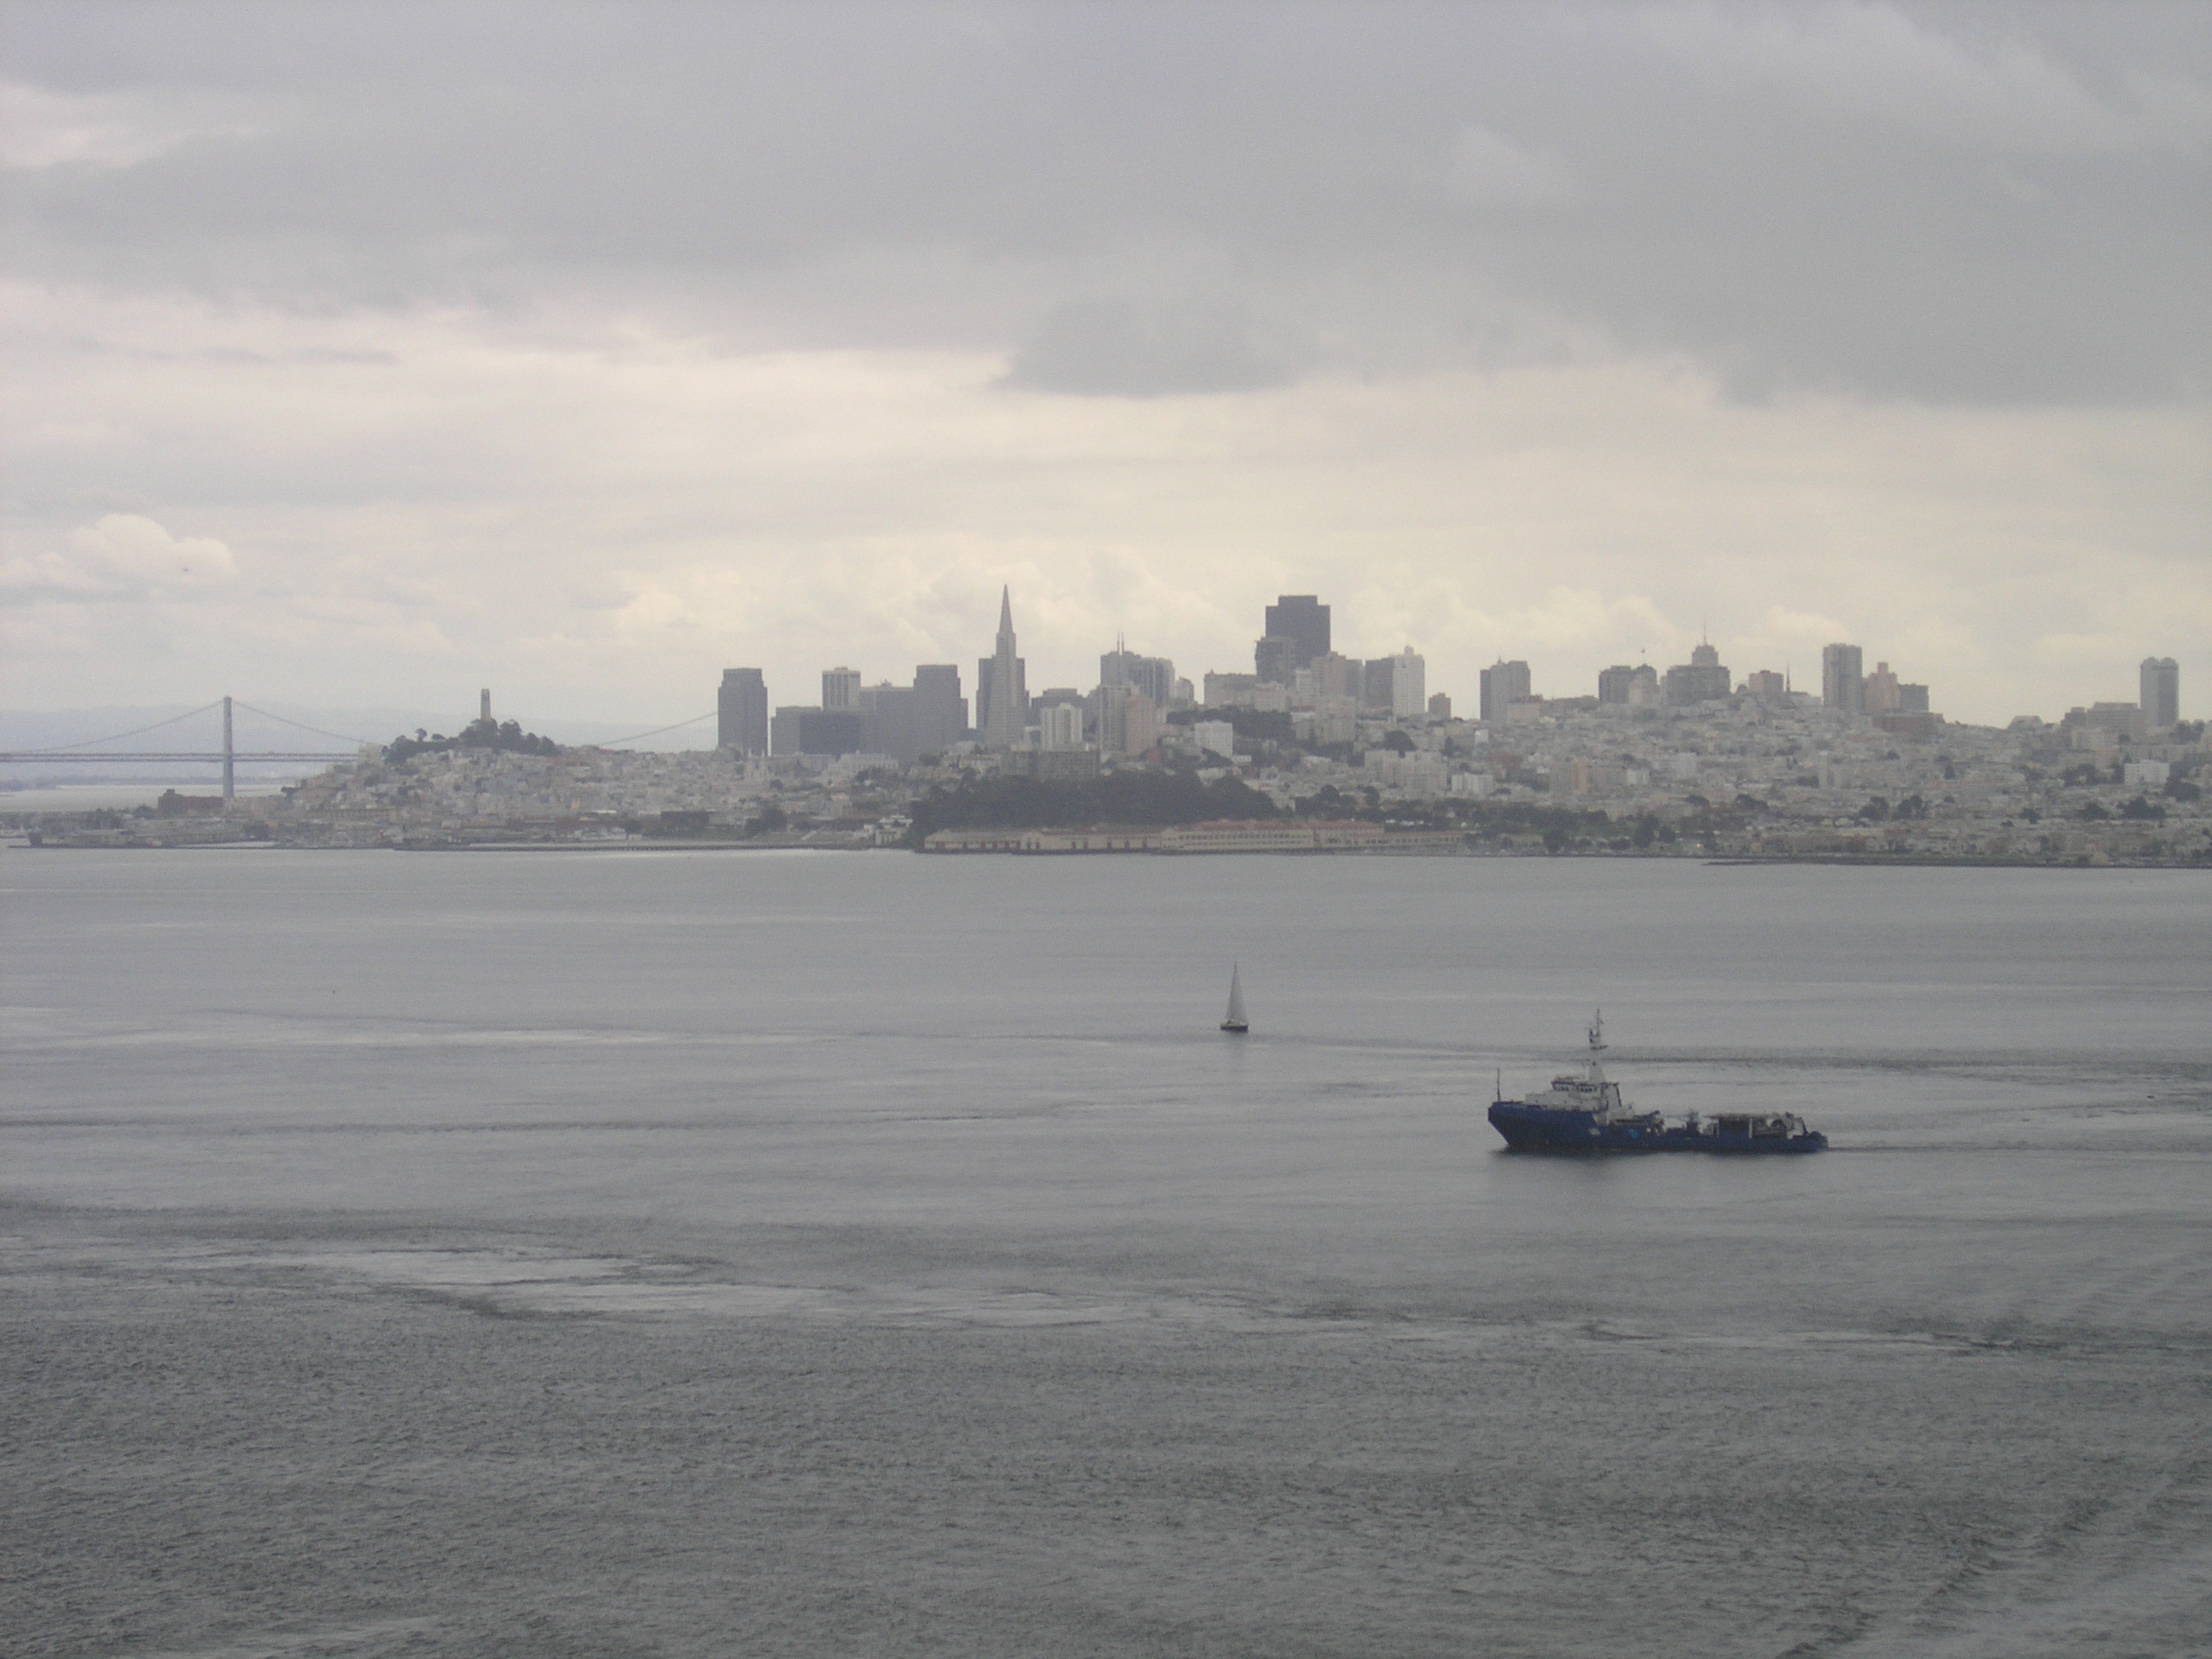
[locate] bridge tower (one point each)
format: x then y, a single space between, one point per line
229 776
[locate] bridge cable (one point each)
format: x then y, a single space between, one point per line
116 737
341 736
616 743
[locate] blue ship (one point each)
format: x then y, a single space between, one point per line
1585 1114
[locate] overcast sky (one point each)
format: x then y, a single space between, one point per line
371 354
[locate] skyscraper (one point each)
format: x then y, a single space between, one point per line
1302 620
1701 680
1378 681
1882 695
2161 691
940 713
1409 687
741 712
1612 683
1153 676
1843 678
1503 684
841 688
1273 659
1002 689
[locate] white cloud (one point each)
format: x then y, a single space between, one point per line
40 128
595 516
121 557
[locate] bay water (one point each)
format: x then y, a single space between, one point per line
704 1253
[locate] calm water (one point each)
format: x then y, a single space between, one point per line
703 1254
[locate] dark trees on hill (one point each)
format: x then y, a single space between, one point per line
1131 798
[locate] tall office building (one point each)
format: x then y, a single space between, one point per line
741 712
2161 691
1409 684
841 690
1002 692
1153 676
1843 678
1701 680
1612 683
1765 684
1337 676
887 724
1503 684
1378 682
1302 620
940 713
803 730
1882 695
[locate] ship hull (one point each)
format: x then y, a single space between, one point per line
1533 1129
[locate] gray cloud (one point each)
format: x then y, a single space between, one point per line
1941 203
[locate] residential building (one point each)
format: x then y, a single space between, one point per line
1439 707
1129 720
1275 658
741 712
1766 685
1060 725
1216 738
1231 691
1843 679
2162 692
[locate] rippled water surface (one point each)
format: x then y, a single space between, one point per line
700 1254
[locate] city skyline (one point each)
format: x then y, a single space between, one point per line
1444 314
1296 667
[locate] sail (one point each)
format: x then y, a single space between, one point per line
1236 1016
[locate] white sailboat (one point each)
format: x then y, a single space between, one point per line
1236 1022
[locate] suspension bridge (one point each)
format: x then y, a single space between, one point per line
89 752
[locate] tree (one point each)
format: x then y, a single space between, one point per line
1397 741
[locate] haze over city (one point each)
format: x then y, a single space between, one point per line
359 357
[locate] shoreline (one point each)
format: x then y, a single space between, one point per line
1710 861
